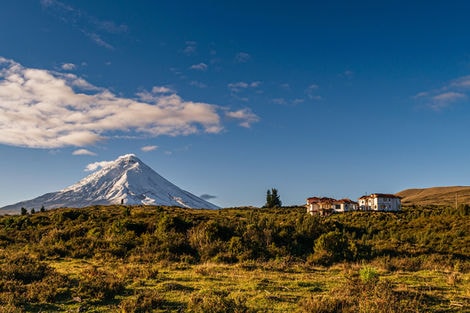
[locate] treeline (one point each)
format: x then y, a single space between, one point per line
238 234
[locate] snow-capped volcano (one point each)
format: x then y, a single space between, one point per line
127 180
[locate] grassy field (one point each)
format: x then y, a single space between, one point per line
278 286
154 259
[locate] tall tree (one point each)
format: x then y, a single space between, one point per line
273 200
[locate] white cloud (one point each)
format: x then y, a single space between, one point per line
445 99
461 82
245 116
421 94
310 91
97 165
279 101
190 47
149 148
99 40
197 84
68 66
242 57
85 23
160 89
238 86
44 109
83 152
199 67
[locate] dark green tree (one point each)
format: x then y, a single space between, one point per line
273 200
24 211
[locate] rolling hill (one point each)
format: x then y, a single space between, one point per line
436 195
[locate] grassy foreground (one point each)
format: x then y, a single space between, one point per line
153 259
278 286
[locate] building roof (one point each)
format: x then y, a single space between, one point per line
380 195
326 200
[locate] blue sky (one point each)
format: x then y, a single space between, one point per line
230 98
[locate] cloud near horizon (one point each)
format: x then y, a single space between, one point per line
207 197
83 152
46 109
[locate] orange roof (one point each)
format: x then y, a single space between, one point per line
380 195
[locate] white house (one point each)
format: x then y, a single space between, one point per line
380 202
326 206
345 205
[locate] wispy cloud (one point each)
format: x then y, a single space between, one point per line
348 74
462 82
45 109
97 165
83 152
207 196
197 84
238 86
279 101
162 89
283 101
245 116
149 148
99 41
438 99
190 47
68 66
199 67
443 100
242 57
311 90
87 24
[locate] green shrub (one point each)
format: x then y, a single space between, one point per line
96 284
368 274
144 301
216 302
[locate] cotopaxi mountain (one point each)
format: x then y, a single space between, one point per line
127 180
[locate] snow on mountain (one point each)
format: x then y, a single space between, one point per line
126 180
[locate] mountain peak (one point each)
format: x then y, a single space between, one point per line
126 180
128 157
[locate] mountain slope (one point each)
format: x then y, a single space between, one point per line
126 180
436 195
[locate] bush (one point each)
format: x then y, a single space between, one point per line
368 274
99 285
144 301
24 268
329 248
216 302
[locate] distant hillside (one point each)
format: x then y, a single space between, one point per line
436 195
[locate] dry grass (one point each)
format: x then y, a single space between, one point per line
274 287
436 196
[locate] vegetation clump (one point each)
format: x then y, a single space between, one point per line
165 259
